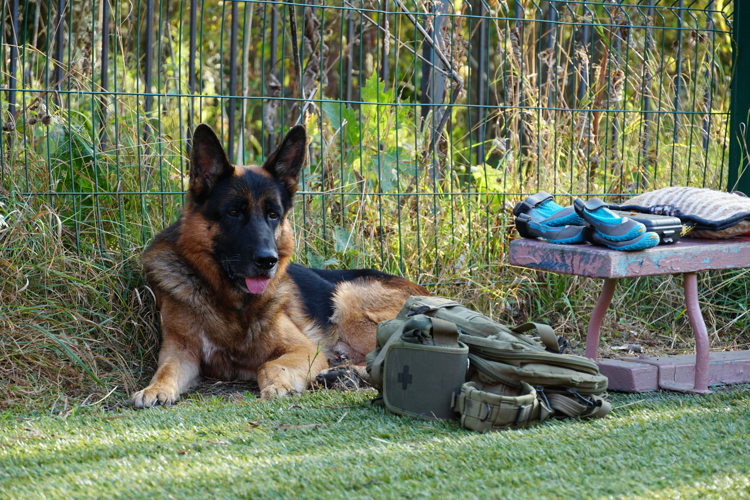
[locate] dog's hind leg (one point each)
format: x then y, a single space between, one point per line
359 306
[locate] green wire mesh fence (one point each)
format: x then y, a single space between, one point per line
428 120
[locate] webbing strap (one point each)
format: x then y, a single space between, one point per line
569 407
376 372
546 333
444 333
422 308
566 405
594 204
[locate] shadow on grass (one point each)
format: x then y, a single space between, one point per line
654 445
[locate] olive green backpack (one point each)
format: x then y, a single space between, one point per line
439 359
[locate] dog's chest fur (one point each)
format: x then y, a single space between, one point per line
234 327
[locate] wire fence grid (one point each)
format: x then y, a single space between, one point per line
428 119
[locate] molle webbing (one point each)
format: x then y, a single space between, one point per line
482 411
417 365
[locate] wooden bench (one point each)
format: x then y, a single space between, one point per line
686 257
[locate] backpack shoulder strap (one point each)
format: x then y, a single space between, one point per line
569 407
546 333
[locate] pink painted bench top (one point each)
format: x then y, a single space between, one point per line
685 256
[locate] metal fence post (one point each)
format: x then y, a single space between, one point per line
59 45
678 79
191 74
738 178
646 105
13 66
231 102
148 101
478 76
433 81
104 81
384 43
274 61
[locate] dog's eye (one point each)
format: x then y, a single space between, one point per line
234 213
273 215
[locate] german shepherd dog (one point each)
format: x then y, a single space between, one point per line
232 306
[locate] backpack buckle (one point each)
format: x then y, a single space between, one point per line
540 391
518 415
488 412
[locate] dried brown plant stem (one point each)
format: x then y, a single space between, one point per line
599 92
295 47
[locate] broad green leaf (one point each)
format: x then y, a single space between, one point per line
352 131
370 92
315 260
333 261
334 112
342 240
387 174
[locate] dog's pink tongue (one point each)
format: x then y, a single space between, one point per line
256 285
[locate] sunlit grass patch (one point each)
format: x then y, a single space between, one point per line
657 445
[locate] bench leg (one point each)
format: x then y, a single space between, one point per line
595 322
699 329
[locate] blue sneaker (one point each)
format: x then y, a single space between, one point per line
565 235
642 242
542 208
607 224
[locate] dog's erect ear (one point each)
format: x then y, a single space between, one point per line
209 161
286 163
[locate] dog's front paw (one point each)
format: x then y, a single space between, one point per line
277 389
154 395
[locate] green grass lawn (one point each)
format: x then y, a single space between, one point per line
335 445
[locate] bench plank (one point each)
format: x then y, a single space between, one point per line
685 256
